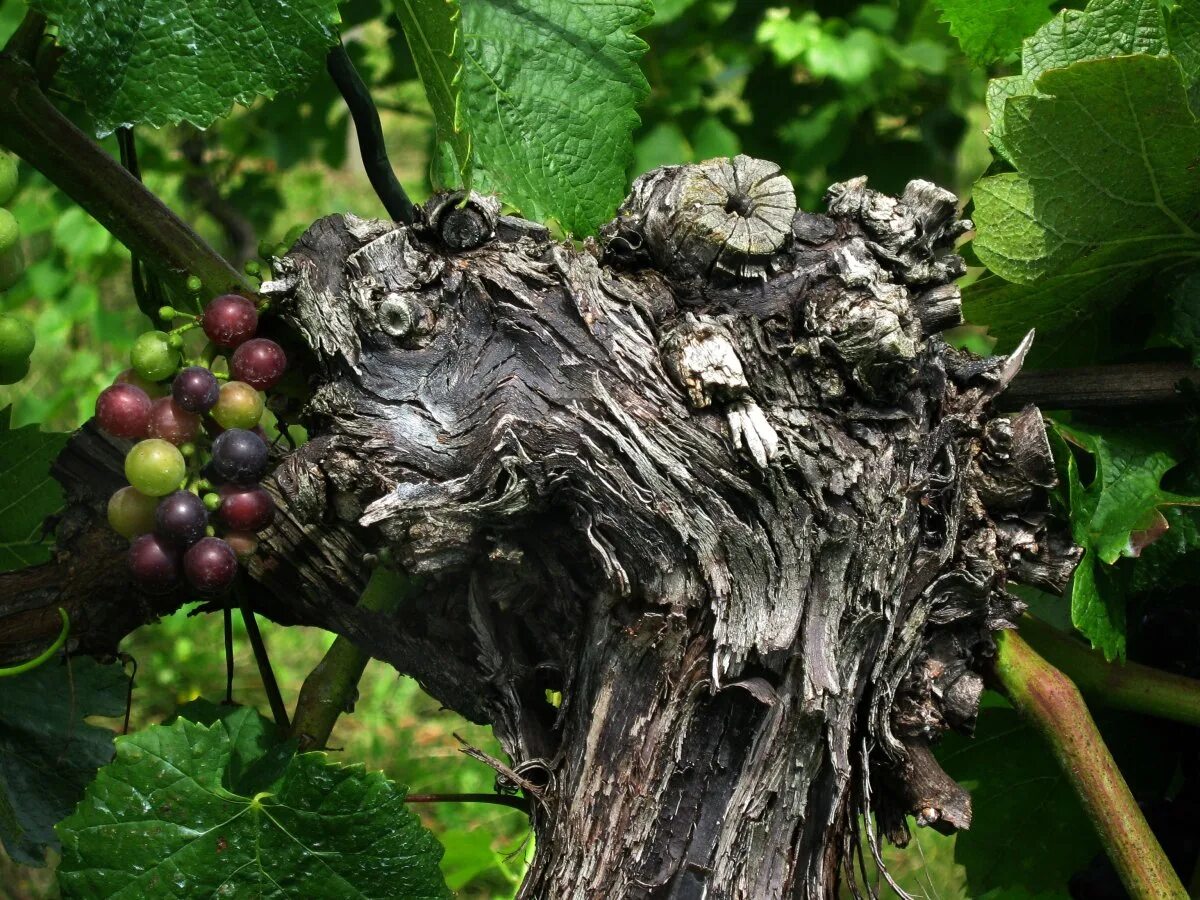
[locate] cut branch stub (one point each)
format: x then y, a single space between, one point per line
757 532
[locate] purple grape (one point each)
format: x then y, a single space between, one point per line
154 563
123 410
239 456
210 566
260 363
196 389
181 518
229 320
246 508
172 423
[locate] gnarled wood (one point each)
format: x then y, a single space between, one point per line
724 489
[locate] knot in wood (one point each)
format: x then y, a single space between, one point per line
461 220
724 215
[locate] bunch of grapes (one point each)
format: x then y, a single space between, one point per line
16 340
201 451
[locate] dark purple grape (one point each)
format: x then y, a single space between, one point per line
196 389
229 320
260 363
181 518
239 456
154 563
246 508
123 410
210 566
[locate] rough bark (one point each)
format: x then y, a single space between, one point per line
714 478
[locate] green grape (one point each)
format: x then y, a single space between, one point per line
12 261
155 467
211 502
167 313
175 341
130 512
11 373
153 357
8 176
240 406
194 284
16 341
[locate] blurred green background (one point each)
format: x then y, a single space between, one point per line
829 90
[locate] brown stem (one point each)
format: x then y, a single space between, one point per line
1105 387
35 130
1051 703
496 799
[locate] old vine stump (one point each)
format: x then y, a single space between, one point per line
714 477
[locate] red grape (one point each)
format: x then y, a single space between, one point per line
153 389
240 406
210 566
239 456
246 508
173 423
229 320
260 363
123 411
196 389
154 563
181 518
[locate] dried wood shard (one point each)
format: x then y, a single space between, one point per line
722 448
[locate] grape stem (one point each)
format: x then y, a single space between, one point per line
1129 686
32 127
265 672
329 689
520 803
9 671
1051 703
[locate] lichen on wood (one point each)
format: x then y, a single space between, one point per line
714 478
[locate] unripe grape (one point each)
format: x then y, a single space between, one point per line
8 176
154 563
173 423
212 502
239 456
155 467
246 507
12 260
123 410
11 373
194 284
153 389
196 389
175 341
181 518
241 543
167 312
16 341
210 566
239 406
131 512
153 357
260 363
230 320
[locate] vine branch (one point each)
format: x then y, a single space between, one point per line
1100 387
1051 703
370 135
1130 686
33 128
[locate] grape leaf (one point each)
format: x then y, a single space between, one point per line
162 62
160 819
1184 316
988 30
551 89
27 492
433 29
259 754
48 753
1117 514
1105 194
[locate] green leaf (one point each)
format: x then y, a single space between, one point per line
552 88
669 10
1183 327
991 29
1117 514
433 29
27 492
160 820
162 62
259 753
48 753
1105 194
